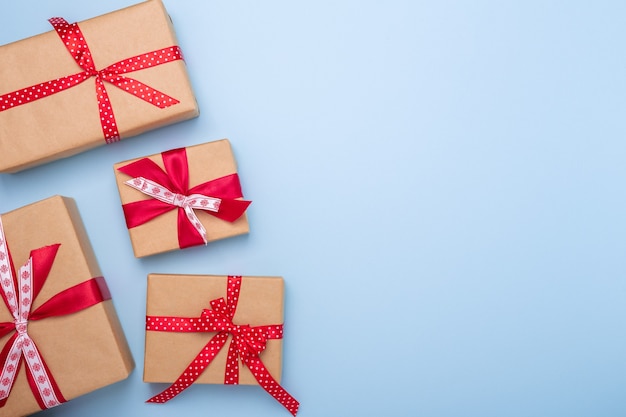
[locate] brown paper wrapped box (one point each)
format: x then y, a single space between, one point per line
86 350
167 354
206 162
68 122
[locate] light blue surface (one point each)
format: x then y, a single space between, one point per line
441 184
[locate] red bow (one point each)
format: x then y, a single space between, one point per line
247 344
76 45
176 179
18 293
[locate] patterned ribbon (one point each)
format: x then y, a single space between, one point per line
187 203
169 190
76 45
247 344
19 292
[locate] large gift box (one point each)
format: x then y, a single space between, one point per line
214 329
83 85
183 197
59 333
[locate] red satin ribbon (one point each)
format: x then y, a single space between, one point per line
71 300
76 45
176 178
247 344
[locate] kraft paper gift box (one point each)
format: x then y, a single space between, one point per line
186 314
77 118
84 349
212 172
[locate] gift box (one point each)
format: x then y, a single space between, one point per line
190 320
59 333
180 198
82 85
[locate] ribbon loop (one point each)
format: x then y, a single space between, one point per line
218 306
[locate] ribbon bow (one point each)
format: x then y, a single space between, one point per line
76 45
18 292
247 344
247 341
169 190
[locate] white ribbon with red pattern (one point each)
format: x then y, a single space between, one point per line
187 202
19 303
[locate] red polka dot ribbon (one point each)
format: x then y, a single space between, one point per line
247 344
19 292
170 189
76 45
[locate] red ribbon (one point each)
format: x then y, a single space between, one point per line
76 45
176 178
69 301
247 343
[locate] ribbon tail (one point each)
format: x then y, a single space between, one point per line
231 373
5 388
188 233
194 370
142 91
228 189
193 219
47 393
269 384
231 210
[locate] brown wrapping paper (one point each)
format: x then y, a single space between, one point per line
68 122
85 350
168 354
206 162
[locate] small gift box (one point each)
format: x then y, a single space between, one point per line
181 198
59 333
191 318
49 105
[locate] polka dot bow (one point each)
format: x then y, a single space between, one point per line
76 45
247 343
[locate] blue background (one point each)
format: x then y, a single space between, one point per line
441 184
